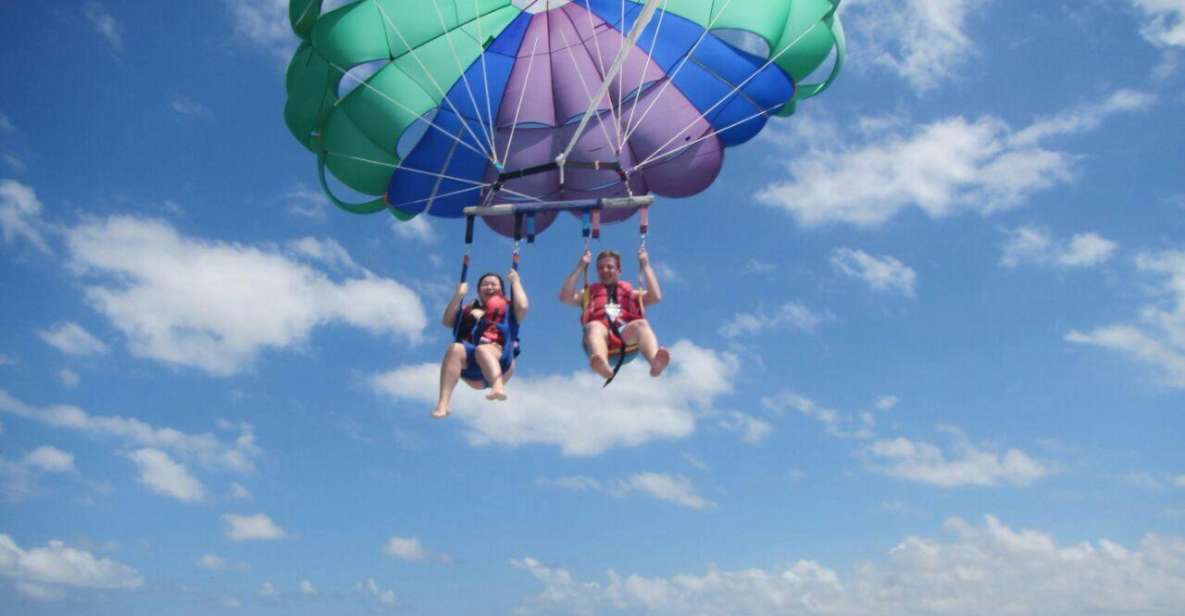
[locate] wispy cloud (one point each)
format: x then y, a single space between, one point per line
966 464
418 229
794 315
47 572
675 489
835 423
882 273
20 214
206 449
71 339
924 42
216 306
1033 246
1157 337
166 476
257 527
385 597
574 412
189 107
6 125
18 478
945 167
967 574
1164 21
105 24
264 24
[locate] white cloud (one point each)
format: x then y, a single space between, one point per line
20 214
981 571
71 339
105 24
14 163
1158 337
69 378
267 589
216 306
256 527
944 168
418 229
794 315
573 411
1164 24
880 273
675 489
1179 481
968 464
1029 245
307 588
190 107
211 562
206 448
752 429
6 125
306 203
48 571
50 459
264 24
923 41
835 423
164 475
370 588
405 548
239 492
327 252
8 360
885 403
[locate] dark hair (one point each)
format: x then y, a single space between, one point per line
501 287
611 254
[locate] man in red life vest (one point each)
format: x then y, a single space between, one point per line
613 313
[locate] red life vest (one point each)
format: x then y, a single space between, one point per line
597 309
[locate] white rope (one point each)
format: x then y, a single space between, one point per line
457 61
645 69
485 155
443 95
485 79
671 78
635 32
738 87
656 155
404 168
580 75
522 95
601 69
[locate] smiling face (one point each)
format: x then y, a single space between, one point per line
489 286
608 269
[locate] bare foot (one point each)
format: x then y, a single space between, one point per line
661 359
496 394
440 412
600 365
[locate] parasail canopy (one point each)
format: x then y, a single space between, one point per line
439 105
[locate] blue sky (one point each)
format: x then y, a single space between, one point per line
928 340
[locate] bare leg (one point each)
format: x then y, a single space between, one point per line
450 372
596 342
639 332
487 358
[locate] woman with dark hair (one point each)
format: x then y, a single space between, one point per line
482 353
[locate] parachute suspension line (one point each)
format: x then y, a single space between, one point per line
742 84
639 25
443 95
644 223
601 70
468 247
448 160
464 79
682 62
521 97
584 84
406 168
485 80
645 69
483 154
657 156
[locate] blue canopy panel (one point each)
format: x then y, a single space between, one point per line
439 154
712 72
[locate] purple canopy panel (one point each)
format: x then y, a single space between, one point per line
685 172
